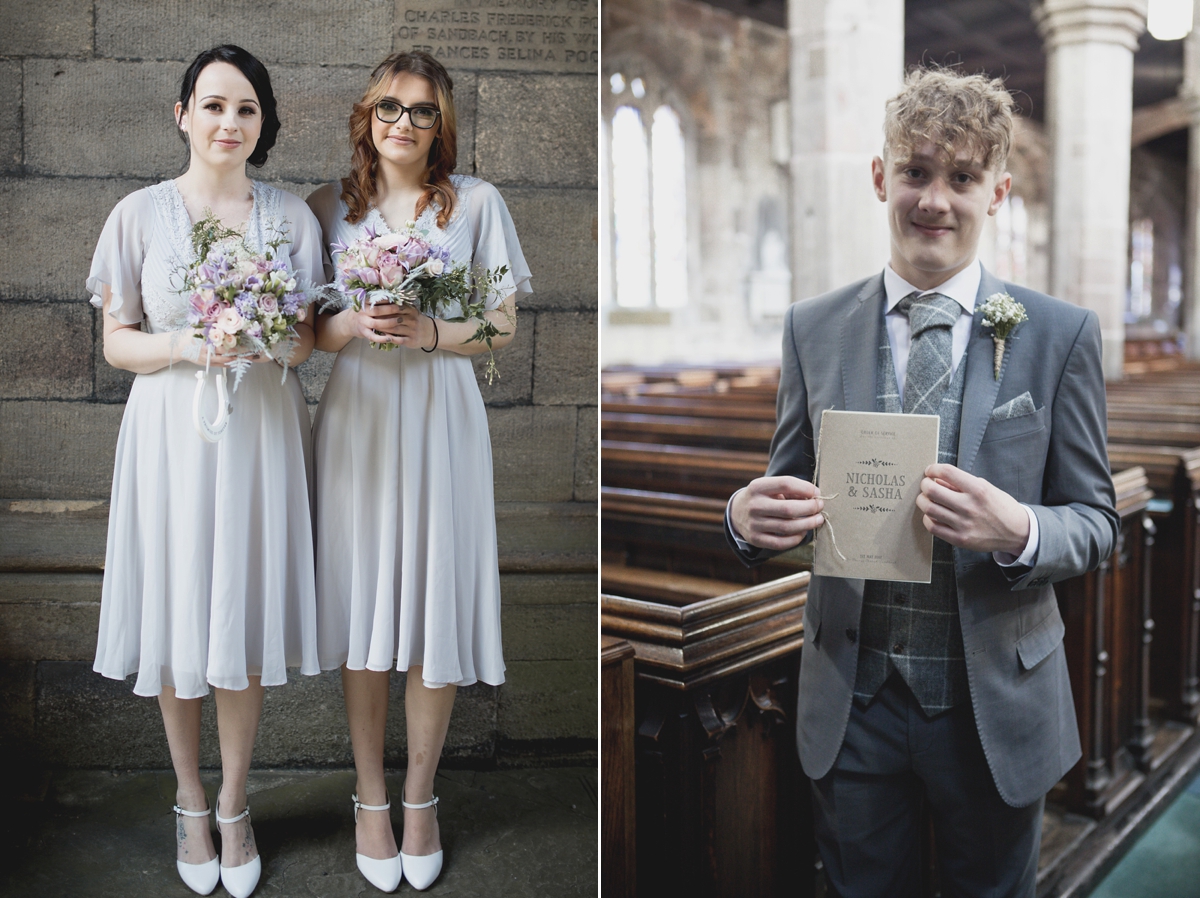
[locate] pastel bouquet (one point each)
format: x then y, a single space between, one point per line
404 268
240 302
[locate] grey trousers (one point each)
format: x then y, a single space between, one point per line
894 760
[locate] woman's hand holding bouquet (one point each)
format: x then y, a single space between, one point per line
404 269
243 306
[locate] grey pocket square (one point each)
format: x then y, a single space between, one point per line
1014 408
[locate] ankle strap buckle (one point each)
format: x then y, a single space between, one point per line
220 819
358 805
178 810
416 806
227 820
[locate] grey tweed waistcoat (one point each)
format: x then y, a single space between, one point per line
913 629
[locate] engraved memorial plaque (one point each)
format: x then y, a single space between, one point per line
514 35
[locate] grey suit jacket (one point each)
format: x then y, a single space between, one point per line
1054 460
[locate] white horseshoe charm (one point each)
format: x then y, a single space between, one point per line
211 432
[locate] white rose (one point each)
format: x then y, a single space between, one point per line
388 241
229 321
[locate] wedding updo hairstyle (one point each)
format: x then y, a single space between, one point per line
359 189
256 74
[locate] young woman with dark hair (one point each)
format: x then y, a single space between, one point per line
208 573
407 572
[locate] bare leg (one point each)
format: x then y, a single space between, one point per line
237 723
428 717
181 717
366 693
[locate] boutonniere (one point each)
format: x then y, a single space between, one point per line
1002 314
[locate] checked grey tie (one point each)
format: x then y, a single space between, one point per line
930 318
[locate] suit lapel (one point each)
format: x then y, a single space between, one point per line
982 386
860 347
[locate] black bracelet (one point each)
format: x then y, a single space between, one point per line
436 335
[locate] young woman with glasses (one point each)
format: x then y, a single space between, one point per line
208 576
407 574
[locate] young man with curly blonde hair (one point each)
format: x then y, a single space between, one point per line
952 694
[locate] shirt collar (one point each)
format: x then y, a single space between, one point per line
962 288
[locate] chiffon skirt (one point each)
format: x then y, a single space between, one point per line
406 532
208 573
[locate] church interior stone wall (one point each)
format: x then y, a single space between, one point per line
724 73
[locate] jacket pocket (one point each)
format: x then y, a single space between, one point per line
1038 643
1008 428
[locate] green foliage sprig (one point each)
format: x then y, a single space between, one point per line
209 231
484 284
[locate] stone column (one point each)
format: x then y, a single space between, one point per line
1189 91
1089 109
847 59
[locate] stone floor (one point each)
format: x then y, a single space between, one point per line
96 834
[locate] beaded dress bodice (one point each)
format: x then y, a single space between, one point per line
427 220
163 300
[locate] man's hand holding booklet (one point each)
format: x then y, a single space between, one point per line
869 471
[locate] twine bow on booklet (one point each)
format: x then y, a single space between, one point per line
868 472
824 514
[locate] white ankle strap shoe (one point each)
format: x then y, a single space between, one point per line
383 873
421 870
200 878
239 881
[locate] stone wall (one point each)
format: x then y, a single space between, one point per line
86 90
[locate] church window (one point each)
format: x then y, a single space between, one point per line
647 214
1012 240
1141 270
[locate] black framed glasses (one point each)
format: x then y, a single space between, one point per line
423 117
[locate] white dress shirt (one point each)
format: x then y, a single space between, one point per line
962 288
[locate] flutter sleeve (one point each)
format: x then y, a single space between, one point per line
307 246
494 242
324 205
119 255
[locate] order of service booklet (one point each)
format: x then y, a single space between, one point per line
869 468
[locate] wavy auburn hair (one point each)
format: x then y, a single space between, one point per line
358 190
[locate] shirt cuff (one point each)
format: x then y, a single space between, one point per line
741 543
1026 558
